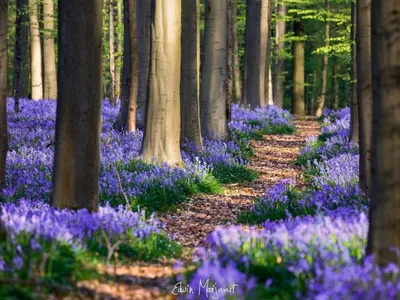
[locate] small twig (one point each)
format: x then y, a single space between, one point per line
110 247
122 190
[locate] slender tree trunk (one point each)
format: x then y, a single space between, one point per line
268 79
298 99
270 87
126 120
162 133
279 77
385 197
190 73
335 77
25 57
50 72
112 53
17 54
120 47
354 128
3 90
322 99
36 53
314 94
78 124
237 76
229 62
364 90
144 40
256 57
213 90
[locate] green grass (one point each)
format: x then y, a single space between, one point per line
234 173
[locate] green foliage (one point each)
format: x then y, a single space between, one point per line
234 173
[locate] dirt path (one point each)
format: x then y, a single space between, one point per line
195 219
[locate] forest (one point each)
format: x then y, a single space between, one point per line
200 149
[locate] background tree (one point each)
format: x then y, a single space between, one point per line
237 74
190 73
298 100
364 90
3 90
280 31
126 120
78 124
162 132
49 53
354 129
112 54
214 75
384 222
36 52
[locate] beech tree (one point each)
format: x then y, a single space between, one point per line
3 90
384 223
354 128
111 40
78 123
190 73
36 52
298 100
364 90
214 74
126 120
237 76
280 32
49 53
256 61
161 139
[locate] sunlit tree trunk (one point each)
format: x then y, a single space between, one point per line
322 99
364 90
120 47
237 76
279 78
214 73
36 52
78 123
354 129
126 120
256 56
50 71
268 100
3 91
144 40
190 73
384 230
111 40
298 99
162 133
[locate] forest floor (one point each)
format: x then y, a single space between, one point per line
193 220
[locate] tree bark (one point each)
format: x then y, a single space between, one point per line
17 54
354 128
256 57
229 62
322 99
111 40
190 73
120 47
213 92
237 76
385 197
50 71
78 123
298 100
268 100
314 94
161 139
36 53
3 90
364 90
279 77
126 120
143 23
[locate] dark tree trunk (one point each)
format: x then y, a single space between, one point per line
126 120
279 77
78 124
354 129
384 223
237 76
229 61
298 100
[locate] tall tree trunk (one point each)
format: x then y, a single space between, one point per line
268 79
112 52
213 91
256 56
229 62
270 87
3 90
190 73
335 77
143 23
364 90
298 100
126 120
314 94
162 133
120 47
17 54
385 197
36 52
24 89
237 76
78 124
50 72
279 61
322 99
354 128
